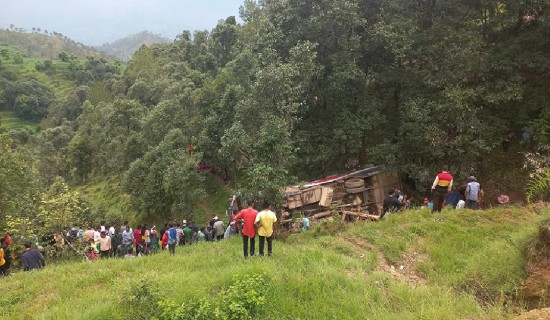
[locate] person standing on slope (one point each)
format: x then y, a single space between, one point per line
265 221
442 185
32 258
472 193
172 238
247 217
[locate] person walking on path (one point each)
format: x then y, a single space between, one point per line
265 221
442 185
247 217
104 245
172 238
472 192
32 258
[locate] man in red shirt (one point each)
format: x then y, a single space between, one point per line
247 218
442 185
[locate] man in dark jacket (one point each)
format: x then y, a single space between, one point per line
391 203
32 258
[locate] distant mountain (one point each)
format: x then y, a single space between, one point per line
45 45
124 48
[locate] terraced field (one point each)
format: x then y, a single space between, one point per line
56 80
10 121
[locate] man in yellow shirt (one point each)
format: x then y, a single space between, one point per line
265 221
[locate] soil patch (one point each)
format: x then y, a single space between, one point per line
537 314
535 290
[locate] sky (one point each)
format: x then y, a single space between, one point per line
95 22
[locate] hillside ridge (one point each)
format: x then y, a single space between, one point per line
124 48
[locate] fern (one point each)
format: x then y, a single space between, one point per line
538 187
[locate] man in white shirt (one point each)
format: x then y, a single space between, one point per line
112 230
472 193
104 245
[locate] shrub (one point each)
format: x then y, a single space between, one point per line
538 187
241 301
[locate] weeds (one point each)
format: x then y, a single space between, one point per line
241 301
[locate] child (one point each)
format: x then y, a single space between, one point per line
91 251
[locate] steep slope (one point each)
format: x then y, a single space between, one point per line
456 265
124 48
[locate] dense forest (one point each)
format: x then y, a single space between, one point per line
299 90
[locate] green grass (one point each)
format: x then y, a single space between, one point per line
311 276
10 121
108 201
217 201
57 80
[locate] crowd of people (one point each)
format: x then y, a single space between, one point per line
106 241
109 241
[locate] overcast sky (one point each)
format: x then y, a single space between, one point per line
94 22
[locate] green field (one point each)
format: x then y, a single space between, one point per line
10 121
57 81
456 265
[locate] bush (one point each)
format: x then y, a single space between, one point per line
241 301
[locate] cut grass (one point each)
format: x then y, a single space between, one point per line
311 276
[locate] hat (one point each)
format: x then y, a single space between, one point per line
472 178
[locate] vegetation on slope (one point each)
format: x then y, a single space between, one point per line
124 48
45 46
10 121
57 78
469 265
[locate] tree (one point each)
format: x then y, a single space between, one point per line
5 53
18 186
32 99
64 56
164 182
18 58
80 158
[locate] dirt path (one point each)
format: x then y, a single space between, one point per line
406 270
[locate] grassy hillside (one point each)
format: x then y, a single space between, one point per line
61 86
456 265
10 121
108 201
40 45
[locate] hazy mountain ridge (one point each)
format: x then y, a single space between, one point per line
125 47
46 46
